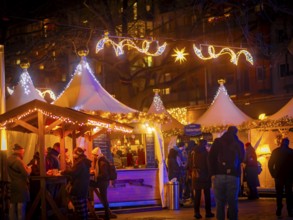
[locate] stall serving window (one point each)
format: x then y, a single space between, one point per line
129 151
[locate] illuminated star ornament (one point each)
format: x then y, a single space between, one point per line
180 55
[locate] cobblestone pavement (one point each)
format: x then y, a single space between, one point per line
261 209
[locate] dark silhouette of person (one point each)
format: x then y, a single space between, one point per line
225 158
201 179
80 180
18 173
281 169
251 171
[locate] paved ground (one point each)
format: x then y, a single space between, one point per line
262 209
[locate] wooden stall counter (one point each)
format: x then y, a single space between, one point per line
133 187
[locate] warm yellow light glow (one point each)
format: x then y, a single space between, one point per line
212 54
119 47
179 114
263 150
262 116
180 55
49 92
3 140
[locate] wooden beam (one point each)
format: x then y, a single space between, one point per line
41 142
103 130
27 126
62 149
52 125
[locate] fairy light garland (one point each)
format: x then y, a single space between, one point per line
78 71
180 55
158 103
48 91
25 81
212 54
119 47
67 120
179 114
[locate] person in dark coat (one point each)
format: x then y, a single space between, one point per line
80 179
172 165
52 160
281 169
18 173
251 171
174 170
201 179
225 173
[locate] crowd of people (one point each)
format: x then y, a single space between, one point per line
224 167
24 190
197 167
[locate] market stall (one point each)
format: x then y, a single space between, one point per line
42 119
138 163
266 135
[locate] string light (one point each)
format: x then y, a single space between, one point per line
110 127
25 81
179 114
234 56
49 92
118 47
158 103
180 55
78 71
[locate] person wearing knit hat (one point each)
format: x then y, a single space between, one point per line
96 151
80 180
101 171
18 173
78 151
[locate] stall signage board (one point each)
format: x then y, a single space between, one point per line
192 130
150 151
103 141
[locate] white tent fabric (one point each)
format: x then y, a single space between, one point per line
24 92
84 92
157 107
286 110
163 176
222 111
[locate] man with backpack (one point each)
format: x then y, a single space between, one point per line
225 158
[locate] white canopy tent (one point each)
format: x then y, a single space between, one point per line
157 107
85 93
285 111
222 111
24 91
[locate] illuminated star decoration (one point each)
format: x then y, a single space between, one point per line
180 55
